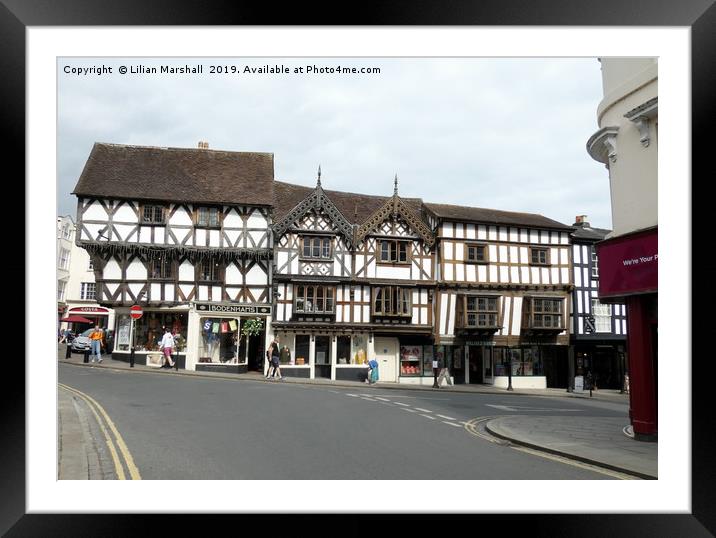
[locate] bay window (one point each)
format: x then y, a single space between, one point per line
392 301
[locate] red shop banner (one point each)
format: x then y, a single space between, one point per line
629 265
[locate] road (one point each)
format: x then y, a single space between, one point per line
184 428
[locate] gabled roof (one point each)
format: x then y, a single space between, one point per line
316 200
493 216
356 208
177 174
396 206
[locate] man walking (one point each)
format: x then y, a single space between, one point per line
166 345
96 343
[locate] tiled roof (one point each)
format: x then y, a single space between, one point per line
177 174
493 216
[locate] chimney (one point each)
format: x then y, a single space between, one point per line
203 145
581 220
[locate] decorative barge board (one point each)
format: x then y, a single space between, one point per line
169 227
503 284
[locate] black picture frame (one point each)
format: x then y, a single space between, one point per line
699 15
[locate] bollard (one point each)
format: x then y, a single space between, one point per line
131 358
68 352
86 359
176 361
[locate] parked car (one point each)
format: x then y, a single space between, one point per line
82 342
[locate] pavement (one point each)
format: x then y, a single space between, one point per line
602 441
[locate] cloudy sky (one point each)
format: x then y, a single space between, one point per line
505 134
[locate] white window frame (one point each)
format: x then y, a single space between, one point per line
61 287
85 291
602 321
595 264
64 258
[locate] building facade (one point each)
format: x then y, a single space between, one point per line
185 234
336 277
598 330
65 227
627 144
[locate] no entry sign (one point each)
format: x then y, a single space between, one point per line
136 312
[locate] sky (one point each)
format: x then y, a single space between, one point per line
498 133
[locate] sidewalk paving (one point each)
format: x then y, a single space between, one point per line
77 454
600 441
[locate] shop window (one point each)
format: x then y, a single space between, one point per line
543 313
524 362
207 217
88 291
394 251
311 299
428 360
149 330
411 358
475 253
161 268
153 214
219 341
343 350
317 248
124 324
392 301
303 347
539 256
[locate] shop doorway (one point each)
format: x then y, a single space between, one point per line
386 353
257 351
323 357
475 365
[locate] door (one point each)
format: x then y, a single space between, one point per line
386 353
475 365
323 356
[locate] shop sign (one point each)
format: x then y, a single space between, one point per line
480 343
629 265
234 309
90 309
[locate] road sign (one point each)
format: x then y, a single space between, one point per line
136 312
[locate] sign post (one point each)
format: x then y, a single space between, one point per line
135 312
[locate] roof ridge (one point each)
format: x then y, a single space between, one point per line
141 146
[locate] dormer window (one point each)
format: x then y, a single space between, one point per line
207 217
316 248
153 214
393 251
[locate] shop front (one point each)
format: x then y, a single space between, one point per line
145 333
226 337
531 364
315 353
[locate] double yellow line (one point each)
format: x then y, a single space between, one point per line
105 422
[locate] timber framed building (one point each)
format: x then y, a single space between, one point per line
204 240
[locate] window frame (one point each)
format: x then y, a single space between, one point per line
84 292
595 264
208 225
465 312
546 250
64 258
61 290
218 276
325 292
394 297
167 263
528 320
603 317
481 246
153 221
393 251
321 240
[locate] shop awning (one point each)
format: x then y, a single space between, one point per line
76 319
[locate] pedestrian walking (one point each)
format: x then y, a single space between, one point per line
373 376
275 355
444 372
96 337
63 336
167 345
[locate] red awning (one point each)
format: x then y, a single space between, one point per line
76 319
